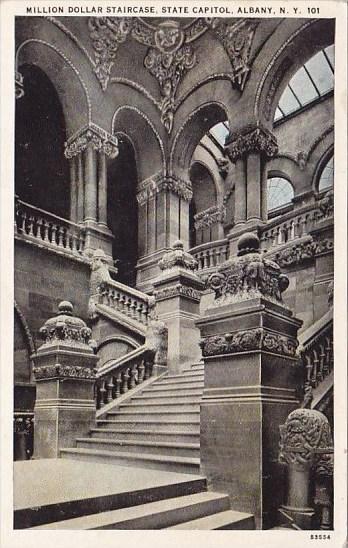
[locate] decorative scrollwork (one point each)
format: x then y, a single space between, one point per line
65 371
177 257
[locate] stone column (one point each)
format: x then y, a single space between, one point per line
65 377
73 189
249 149
178 292
209 223
305 441
249 342
91 145
165 199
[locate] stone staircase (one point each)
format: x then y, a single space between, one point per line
157 428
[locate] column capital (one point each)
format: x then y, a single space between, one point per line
91 135
211 216
153 185
253 138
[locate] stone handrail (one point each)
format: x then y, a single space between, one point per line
211 254
119 376
289 227
316 350
126 300
48 229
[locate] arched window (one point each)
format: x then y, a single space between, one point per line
327 175
279 192
311 82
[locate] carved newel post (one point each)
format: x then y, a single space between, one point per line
249 342
306 447
65 376
178 292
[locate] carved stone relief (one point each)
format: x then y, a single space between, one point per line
92 135
209 217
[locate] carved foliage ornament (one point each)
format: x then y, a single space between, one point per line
164 183
66 328
69 371
252 339
299 253
177 257
93 136
253 139
177 290
209 217
305 437
236 38
170 54
247 276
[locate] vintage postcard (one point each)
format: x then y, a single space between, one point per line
173 273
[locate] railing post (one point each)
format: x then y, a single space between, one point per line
249 343
178 292
63 364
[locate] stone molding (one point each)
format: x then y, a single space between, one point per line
177 257
236 38
274 85
252 139
249 275
64 371
94 136
19 85
149 188
210 216
249 340
305 438
298 253
177 290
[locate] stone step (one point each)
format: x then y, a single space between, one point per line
151 435
141 446
194 380
181 390
160 424
49 490
189 374
159 414
187 465
173 398
145 407
229 519
155 515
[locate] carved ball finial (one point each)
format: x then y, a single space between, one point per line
248 243
178 244
66 308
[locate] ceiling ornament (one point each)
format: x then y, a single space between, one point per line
170 54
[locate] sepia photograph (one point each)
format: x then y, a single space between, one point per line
173 270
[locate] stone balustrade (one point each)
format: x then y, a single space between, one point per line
125 300
211 254
122 375
47 229
292 226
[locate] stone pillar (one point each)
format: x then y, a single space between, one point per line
305 443
91 145
249 342
249 149
163 219
178 292
73 189
65 377
102 189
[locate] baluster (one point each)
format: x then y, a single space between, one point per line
141 372
133 309
320 374
125 380
218 255
39 223
292 230
138 311
122 303
23 223
31 226
133 376
53 234
45 227
118 385
279 235
315 368
128 306
205 259
309 367
60 236
109 390
74 242
102 392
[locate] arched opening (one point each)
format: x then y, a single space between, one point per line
41 169
326 178
204 197
279 193
122 210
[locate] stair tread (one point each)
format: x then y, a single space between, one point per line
146 421
148 396
146 432
136 456
214 521
140 442
103 519
132 403
154 412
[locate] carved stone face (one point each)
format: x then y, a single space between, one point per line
169 37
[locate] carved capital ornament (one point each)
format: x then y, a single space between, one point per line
94 136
